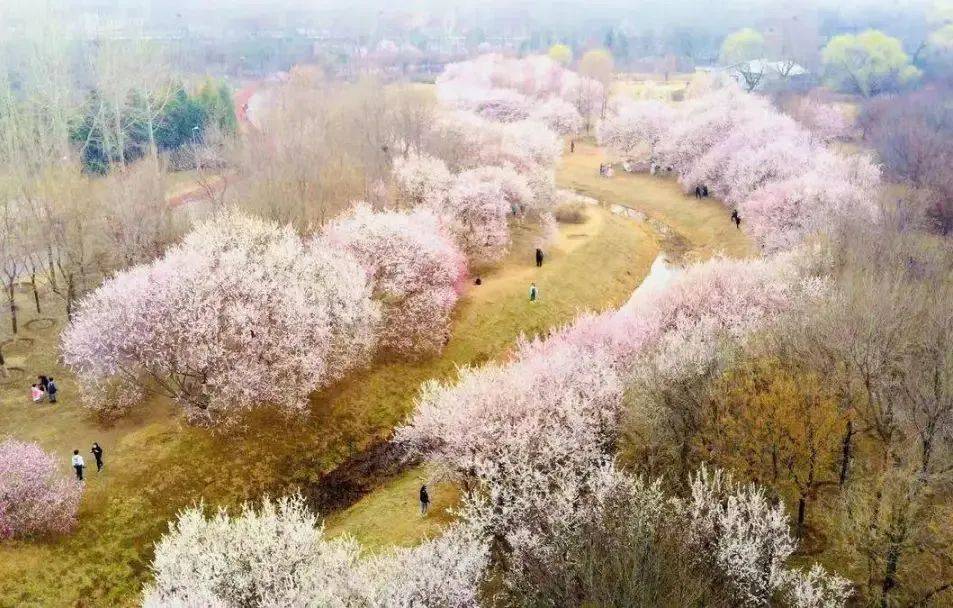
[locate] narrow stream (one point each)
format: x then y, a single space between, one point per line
660 274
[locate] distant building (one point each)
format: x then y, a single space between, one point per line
758 73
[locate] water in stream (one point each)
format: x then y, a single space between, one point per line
660 274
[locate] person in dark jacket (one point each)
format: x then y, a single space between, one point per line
424 500
97 453
704 191
51 389
736 219
698 191
539 257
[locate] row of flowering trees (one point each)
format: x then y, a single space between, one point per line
278 555
565 530
509 89
245 312
783 179
533 441
221 321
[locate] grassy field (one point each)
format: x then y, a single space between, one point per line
156 465
652 86
698 229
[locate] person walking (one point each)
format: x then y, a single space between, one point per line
51 390
539 257
698 191
736 219
97 453
424 500
572 146
704 191
78 465
533 292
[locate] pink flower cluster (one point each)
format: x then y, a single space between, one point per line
784 181
416 272
240 314
504 171
35 498
826 121
566 390
505 89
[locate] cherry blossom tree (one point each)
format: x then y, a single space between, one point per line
784 180
502 105
528 144
637 127
563 408
536 77
475 213
35 498
559 115
749 541
222 321
278 555
780 215
416 272
826 121
421 180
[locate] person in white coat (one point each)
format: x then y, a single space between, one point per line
78 465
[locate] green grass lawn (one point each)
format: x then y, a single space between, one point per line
156 464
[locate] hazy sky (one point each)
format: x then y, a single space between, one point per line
543 13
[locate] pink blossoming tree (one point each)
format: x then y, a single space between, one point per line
781 176
416 272
421 180
221 322
476 213
35 497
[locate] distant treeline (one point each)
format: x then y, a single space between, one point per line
117 133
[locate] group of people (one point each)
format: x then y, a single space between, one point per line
79 465
605 169
736 219
701 191
44 389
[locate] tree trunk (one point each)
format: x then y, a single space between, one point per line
69 299
36 294
153 148
846 444
890 574
120 136
801 511
13 306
